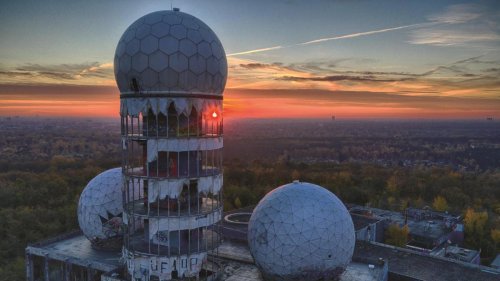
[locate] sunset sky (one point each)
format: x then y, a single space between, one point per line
287 59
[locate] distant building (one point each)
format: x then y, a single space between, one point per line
458 253
368 228
428 229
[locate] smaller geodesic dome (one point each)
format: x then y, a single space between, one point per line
100 207
301 231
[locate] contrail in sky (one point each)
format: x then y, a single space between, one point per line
353 35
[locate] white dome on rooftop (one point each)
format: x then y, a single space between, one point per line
301 231
100 206
170 52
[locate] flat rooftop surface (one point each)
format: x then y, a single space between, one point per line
239 266
422 267
76 248
357 271
429 228
457 253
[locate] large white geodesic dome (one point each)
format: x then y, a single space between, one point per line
301 231
170 52
100 207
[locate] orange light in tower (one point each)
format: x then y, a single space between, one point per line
214 115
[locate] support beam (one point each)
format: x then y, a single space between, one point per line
30 268
46 268
67 270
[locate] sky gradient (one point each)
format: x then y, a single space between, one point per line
287 59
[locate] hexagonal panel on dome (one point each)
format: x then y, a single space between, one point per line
204 49
178 62
160 29
121 78
129 35
158 61
133 47
190 22
178 31
197 64
194 35
139 62
143 31
125 62
169 43
169 78
205 81
187 47
149 44
187 80
150 78
213 65
172 18
218 81
154 18
216 49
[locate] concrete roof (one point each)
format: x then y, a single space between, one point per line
75 248
404 262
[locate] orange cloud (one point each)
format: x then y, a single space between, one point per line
103 101
245 103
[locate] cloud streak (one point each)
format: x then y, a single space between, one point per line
334 78
459 25
453 37
354 35
84 73
474 76
258 50
460 13
321 40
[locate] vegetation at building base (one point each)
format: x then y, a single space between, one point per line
397 235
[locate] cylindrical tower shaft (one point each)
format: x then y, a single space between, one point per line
175 155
